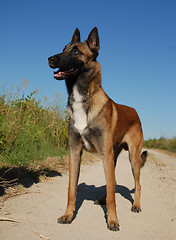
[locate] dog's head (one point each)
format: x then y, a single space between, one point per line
76 56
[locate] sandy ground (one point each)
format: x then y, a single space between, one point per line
36 212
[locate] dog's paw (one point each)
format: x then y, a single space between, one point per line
113 226
65 219
135 209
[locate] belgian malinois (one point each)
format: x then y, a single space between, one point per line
96 123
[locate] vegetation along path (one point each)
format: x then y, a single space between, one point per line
34 215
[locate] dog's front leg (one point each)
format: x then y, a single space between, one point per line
108 161
74 169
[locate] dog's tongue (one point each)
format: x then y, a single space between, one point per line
59 74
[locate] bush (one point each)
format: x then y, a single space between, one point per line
162 143
29 131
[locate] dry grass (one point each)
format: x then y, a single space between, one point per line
16 181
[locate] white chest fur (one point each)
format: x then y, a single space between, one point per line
79 113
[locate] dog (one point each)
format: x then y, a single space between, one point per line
96 123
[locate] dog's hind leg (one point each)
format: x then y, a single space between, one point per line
74 169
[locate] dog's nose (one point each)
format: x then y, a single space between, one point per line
51 59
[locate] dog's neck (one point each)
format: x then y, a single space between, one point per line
84 85
84 92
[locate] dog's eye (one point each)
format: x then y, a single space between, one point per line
76 52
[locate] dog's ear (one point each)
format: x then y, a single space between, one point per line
93 40
76 36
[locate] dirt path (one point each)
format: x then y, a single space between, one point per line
36 213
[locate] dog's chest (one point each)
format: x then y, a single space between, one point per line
79 113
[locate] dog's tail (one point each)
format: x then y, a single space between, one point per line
143 158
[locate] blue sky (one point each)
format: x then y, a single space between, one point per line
137 51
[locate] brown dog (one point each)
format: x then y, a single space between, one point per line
96 123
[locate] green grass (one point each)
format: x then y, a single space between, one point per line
162 143
29 131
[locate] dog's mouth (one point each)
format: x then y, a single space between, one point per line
63 74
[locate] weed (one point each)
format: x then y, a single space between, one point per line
162 143
29 131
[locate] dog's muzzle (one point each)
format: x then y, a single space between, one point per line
63 72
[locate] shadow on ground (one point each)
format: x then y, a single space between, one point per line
21 175
92 193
